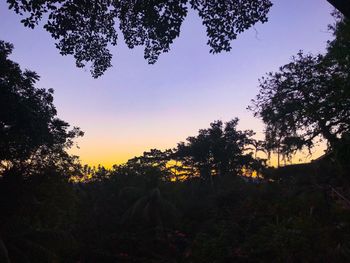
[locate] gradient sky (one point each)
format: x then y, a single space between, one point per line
135 106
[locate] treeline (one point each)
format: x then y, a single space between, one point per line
219 150
192 203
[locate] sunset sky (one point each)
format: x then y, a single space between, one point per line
135 106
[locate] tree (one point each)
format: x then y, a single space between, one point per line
305 99
219 149
150 211
29 126
308 98
84 29
154 158
338 49
342 5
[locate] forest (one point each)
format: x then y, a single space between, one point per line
214 197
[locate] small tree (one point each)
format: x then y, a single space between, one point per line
219 150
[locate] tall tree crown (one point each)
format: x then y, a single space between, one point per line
308 97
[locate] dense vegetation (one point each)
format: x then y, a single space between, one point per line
198 202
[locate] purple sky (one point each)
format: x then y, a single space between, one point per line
136 106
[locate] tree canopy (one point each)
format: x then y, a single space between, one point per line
342 5
221 149
86 29
308 97
338 49
28 117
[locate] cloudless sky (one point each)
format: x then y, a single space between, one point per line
135 106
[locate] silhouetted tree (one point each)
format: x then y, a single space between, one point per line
219 149
283 147
257 146
338 49
37 210
150 211
29 127
36 200
307 98
154 157
342 5
84 29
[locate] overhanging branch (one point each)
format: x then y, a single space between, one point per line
342 5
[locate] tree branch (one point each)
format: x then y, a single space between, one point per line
342 5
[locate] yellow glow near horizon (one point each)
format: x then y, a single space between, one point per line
109 154
135 107
300 157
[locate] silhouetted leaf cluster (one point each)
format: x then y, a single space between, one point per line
85 29
28 118
308 98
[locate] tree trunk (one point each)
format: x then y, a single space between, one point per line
342 5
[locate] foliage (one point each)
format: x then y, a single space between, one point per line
54 210
342 6
307 98
339 48
133 218
28 119
221 150
85 29
37 216
37 202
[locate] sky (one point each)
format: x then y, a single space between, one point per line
135 107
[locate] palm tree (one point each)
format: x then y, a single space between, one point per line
151 211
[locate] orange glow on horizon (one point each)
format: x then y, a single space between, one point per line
300 157
116 147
